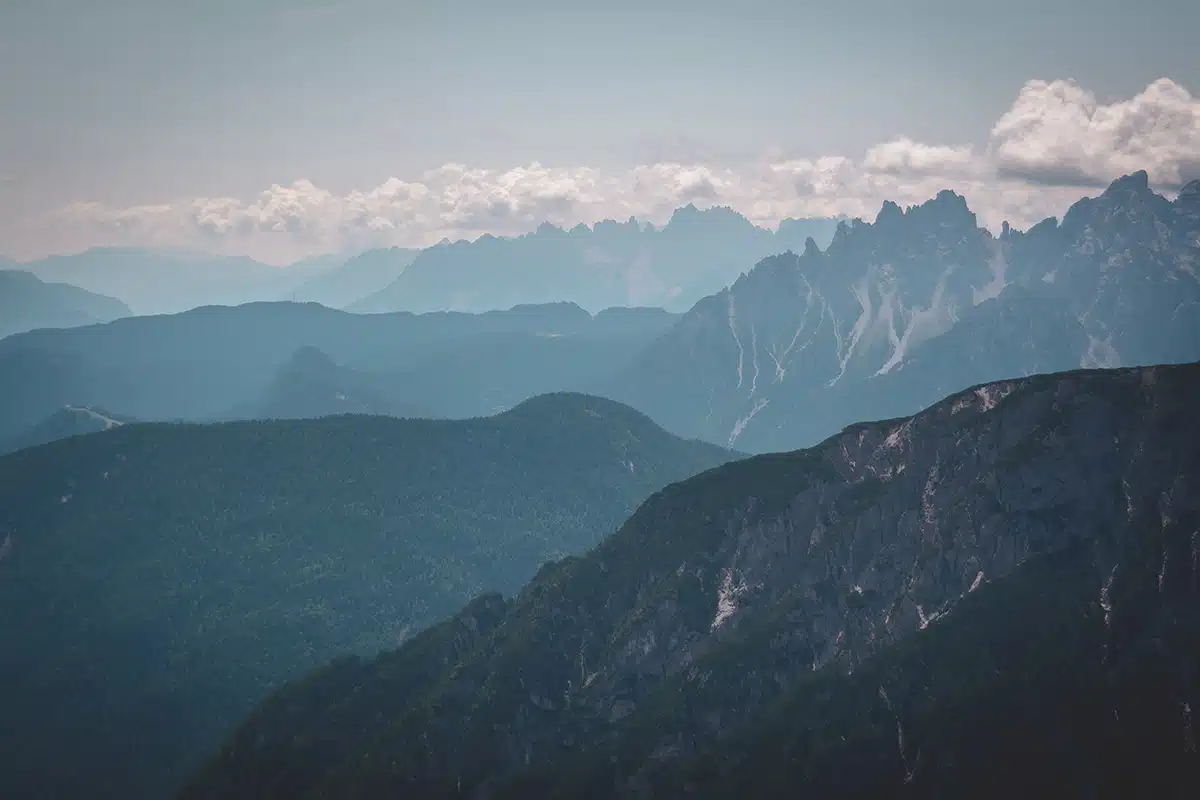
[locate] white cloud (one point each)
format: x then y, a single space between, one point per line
903 156
1057 133
1055 141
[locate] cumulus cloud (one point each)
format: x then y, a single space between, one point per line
1056 133
903 156
1054 143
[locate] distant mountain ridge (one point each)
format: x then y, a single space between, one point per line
311 385
64 423
355 278
28 303
996 597
209 362
609 264
896 313
165 282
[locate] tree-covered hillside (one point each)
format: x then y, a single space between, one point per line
158 580
996 597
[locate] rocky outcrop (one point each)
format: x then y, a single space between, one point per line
803 345
731 590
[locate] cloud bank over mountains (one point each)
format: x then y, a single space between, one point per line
1056 139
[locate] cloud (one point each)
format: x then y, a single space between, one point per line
903 156
1057 134
1055 143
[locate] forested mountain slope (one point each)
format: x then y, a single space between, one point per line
998 594
159 580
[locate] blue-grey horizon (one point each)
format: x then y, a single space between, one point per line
285 129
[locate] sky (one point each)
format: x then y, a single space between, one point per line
284 129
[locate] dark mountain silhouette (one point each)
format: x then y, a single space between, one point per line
158 580
310 385
996 595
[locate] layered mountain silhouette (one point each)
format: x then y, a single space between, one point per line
889 317
610 264
998 595
66 422
311 385
158 580
920 303
212 362
28 303
166 282
358 277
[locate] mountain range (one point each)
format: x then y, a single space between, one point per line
985 554
997 597
28 303
158 580
609 264
165 282
888 318
355 279
219 362
920 303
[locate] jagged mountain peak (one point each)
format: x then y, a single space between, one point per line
1135 183
604 263
889 212
690 215
841 233
1190 193
948 209
793 340
1128 201
1187 203
946 215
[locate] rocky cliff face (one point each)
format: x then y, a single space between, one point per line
1126 265
787 574
805 344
